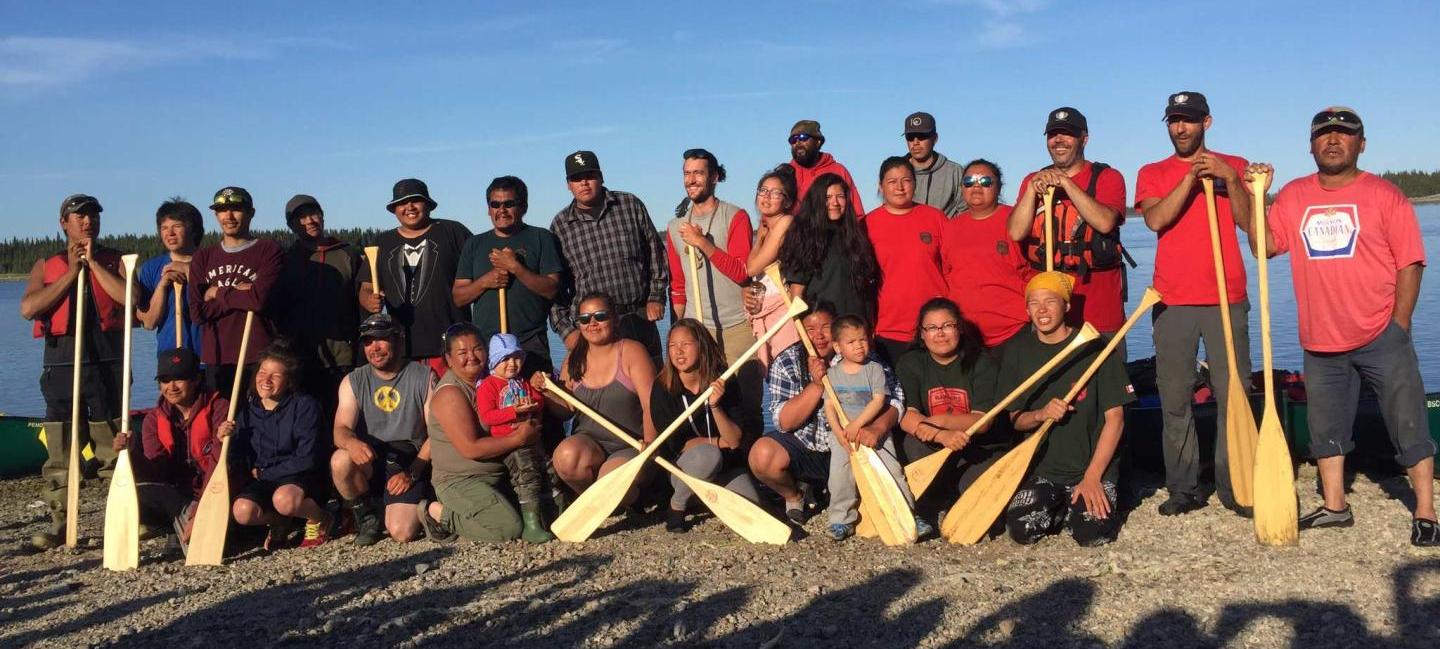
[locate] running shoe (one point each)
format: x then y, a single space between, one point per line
1424 533
1323 517
841 531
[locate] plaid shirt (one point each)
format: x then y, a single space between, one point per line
789 376
617 252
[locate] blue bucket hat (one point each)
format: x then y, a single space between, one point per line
503 346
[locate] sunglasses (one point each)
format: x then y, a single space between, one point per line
598 316
230 199
1341 116
911 137
983 181
511 204
801 137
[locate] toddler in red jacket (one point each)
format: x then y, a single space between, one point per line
502 400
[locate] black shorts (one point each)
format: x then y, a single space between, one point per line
805 464
392 458
262 491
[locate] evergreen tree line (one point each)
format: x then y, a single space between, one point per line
1415 183
18 255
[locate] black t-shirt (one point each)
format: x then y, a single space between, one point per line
539 251
831 282
416 276
1066 453
935 389
665 407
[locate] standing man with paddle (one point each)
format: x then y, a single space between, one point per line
1356 260
49 300
228 280
163 277
1073 482
1169 194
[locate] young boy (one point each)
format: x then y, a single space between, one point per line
181 228
859 383
502 399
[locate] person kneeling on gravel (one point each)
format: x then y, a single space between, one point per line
380 444
1073 481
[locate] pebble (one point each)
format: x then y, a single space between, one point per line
422 568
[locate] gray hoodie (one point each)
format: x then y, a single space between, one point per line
939 186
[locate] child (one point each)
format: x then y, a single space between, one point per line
501 400
859 383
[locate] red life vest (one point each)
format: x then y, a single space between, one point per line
1079 249
201 437
57 321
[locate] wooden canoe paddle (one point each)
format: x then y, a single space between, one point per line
884 509
372 257
504 314
1049 228
122 506
212 517
1240 430
175 289
1276 507
980 504
595 504
744 517
696 311
72 474
921 473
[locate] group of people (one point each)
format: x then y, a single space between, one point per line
921 314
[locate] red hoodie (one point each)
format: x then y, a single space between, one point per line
825 165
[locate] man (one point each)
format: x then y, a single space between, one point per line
1072 484
611 246
181 228
381 447
518 257
49 300
703 220
227 280
937 178
798 448
417 267
809 163
1170 195
1089 209
318 295
1357 257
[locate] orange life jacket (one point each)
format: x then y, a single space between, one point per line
57 321
201 437
1079 248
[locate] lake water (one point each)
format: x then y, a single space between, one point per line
20 353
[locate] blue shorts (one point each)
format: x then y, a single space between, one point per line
805 464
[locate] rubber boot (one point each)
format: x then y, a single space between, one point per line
102 444
534 528
367 521
54 535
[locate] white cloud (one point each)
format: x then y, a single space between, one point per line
40 61
588 50
1004 27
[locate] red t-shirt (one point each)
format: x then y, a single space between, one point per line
1346 245
986 274
907 246
1097 297
1184 264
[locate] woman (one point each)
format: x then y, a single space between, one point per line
985 270
948 384
278 434
774 199
908 237
826 256
466 464
613 376
714 442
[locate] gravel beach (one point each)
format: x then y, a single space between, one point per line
1191 581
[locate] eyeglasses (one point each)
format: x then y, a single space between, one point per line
598 316
512 203
983 181
801 137
770 193
911 137
931 330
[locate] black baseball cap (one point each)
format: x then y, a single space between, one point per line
179 363
79 203
581 162
232 196
293 206
407 189
919 123
1341 118
1188 104
380 325
1067 119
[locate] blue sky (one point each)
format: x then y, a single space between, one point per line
137 101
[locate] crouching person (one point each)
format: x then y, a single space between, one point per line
380 446
1072 483
277 433
469 463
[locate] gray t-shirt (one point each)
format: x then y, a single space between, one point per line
392 410
856 390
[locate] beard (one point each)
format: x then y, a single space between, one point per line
1188 149
805 159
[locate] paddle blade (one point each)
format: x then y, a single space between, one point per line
894 521
920 473
976 510
122 518
212 517
1275 501
1240 439
595 504
740 515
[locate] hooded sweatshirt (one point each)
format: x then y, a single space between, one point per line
281 443
939 186
318 291
826 164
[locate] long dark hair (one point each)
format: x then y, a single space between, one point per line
814 235
970 343
786 175
712 362
575 364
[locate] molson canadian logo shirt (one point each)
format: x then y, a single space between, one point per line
1345 247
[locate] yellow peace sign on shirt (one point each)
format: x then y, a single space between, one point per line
387 398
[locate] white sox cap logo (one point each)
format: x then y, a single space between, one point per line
579 160
1180 99
1061 114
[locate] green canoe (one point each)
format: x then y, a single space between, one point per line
21 452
